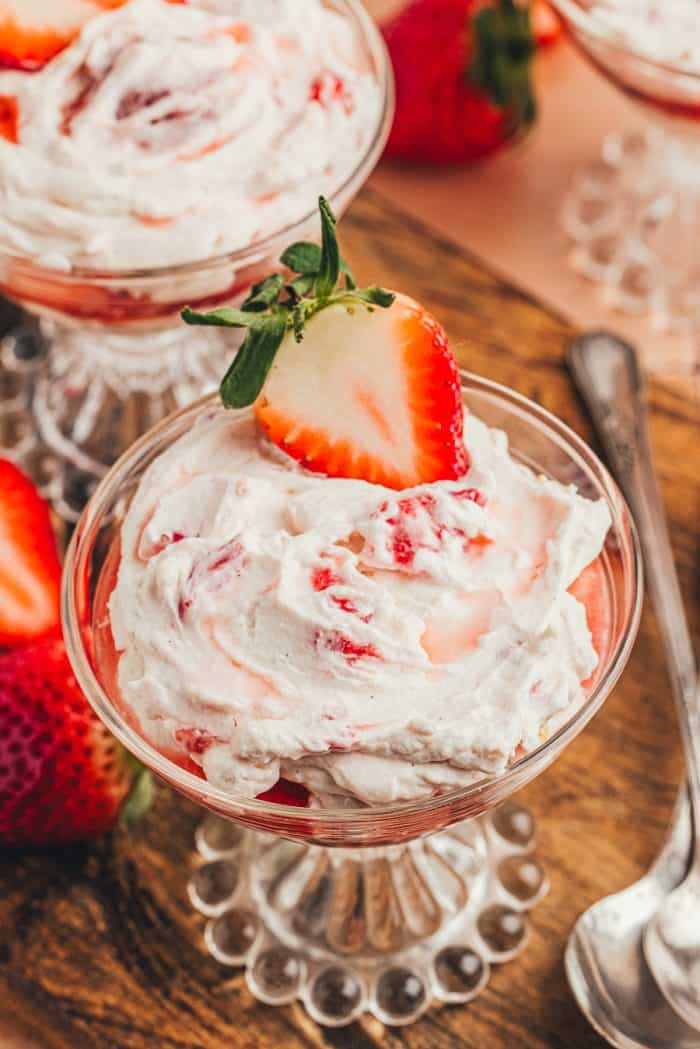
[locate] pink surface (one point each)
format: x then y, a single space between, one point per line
506 209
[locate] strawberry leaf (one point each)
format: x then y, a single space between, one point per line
140 796
300 286
224 317
245 377
264 294
274 307
374 296
302 257
329 269
305 258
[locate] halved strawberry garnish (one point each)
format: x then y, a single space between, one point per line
33 31
356 383
368 395
30 571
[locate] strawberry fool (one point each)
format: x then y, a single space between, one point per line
131 145
374 645
352 589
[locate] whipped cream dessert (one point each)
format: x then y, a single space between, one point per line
167 133
372 644
666 31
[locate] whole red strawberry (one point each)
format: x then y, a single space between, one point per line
63 777
30 571
462 70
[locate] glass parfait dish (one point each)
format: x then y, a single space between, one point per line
633 213
109 356
376 908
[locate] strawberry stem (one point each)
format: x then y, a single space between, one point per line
273 308
502 60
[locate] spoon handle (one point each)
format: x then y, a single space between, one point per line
607 373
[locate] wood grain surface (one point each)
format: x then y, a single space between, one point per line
99 948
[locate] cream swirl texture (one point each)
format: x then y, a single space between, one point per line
168 133
374 645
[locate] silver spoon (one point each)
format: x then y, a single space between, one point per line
605 963
604 958
672 937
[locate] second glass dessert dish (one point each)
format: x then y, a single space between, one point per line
165 157
353 906
633 214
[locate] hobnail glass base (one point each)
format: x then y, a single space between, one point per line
75 398
631 215
380 930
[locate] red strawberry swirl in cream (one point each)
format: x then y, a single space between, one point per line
167 133
373 645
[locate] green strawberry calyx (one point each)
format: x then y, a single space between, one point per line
502 61
277 305
138 800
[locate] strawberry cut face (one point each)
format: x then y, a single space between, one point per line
32 32
358 383
368 395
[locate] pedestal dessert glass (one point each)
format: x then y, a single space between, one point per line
633 213
111 357
379 909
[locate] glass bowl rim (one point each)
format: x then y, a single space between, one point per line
374 41
573 12
311 819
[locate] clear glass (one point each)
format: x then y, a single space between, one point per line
379 909
632 214
118 357
537 439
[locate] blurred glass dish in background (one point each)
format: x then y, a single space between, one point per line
135 180
633 214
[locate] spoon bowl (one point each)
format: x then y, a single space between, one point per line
605 964
672 946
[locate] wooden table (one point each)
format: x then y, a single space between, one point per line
99 948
